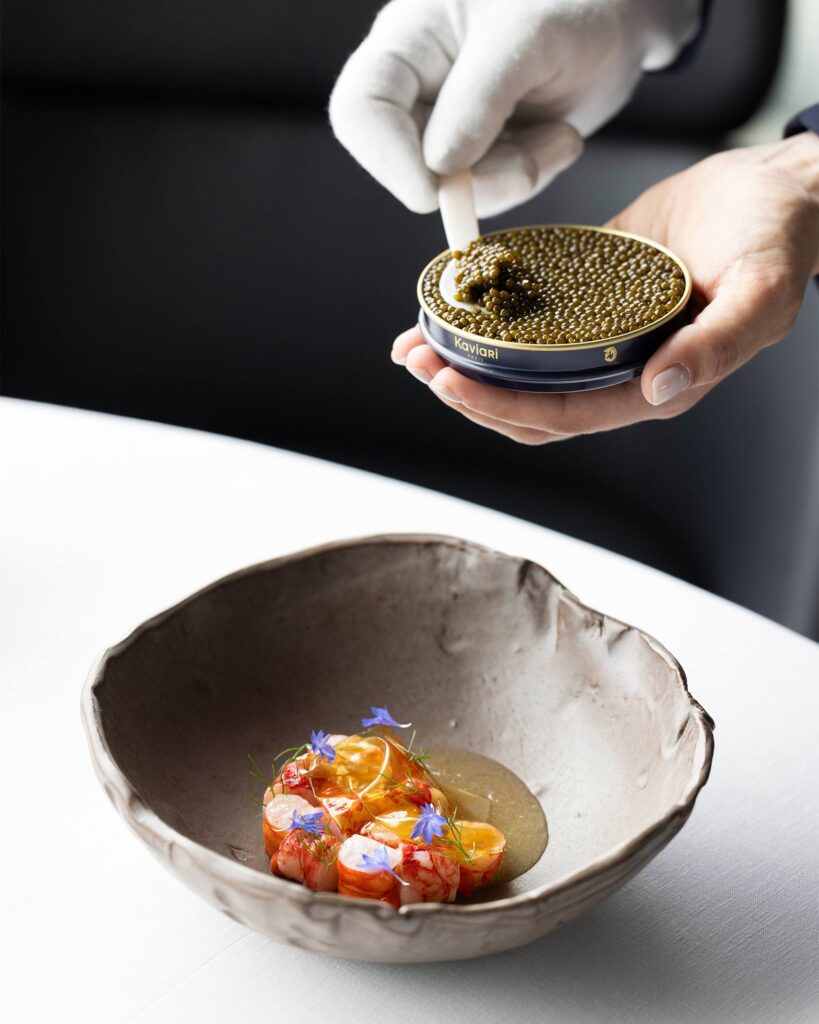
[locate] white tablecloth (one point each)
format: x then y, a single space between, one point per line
104 521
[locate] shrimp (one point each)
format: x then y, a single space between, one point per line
354 880
391 828
420 874
433 877
301 775
294 780
346 812
415 791
365 799
309 859
485 845
277 817
439 800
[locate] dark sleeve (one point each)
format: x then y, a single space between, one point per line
807 121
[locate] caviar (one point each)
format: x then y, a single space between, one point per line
492 275
556 286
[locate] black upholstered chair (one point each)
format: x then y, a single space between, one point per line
178 223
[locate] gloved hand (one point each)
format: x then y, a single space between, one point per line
506 88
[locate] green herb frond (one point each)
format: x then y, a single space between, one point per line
455 836
408 785
285 757
257 773
289 754
419 757
256 803
320 850
293 753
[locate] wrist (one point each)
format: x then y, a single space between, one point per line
799 157
800 153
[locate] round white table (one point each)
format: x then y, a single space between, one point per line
104 521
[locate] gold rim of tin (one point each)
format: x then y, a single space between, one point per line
561 346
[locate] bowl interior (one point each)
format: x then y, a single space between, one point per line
477 649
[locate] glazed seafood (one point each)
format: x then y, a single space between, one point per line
362 815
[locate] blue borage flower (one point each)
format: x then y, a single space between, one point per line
379 861
430 824
312 823
382 717
320 744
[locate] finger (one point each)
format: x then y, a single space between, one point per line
557 416
405 343
374 106
582 412
750 310
565 414
522 163
474 103
370 115
423 363
523 435
426 366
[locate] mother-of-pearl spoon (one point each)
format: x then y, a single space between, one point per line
457 201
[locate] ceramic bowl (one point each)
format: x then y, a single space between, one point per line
481 650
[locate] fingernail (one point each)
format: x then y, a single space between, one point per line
420 374
669 384
398 360
444 392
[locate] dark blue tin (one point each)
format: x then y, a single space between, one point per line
578 366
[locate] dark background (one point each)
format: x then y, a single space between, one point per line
184 240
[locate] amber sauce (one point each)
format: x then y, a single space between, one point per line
491 792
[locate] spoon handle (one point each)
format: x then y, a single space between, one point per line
457 202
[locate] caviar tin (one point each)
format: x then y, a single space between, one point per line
573 366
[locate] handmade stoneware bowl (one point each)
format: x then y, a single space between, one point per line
480 650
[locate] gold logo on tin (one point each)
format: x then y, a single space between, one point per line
610 354
476 350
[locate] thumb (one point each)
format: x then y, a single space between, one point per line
476 100
747 314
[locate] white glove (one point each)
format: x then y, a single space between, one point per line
506 87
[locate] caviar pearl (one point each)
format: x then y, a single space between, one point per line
557 286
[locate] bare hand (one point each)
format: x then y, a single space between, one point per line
746 222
